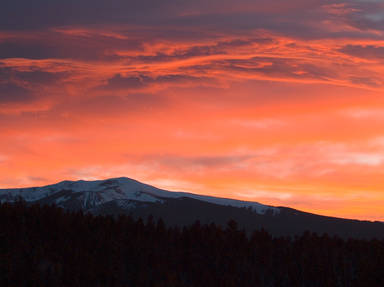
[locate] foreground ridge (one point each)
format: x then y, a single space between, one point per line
50 247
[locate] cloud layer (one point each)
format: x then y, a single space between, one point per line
278 102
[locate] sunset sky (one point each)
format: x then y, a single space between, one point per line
280 102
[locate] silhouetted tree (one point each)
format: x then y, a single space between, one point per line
47 246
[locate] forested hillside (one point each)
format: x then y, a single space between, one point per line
47 246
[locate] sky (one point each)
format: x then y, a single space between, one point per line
280 102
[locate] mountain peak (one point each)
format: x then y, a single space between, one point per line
124 195
91 194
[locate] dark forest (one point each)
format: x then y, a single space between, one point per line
48 246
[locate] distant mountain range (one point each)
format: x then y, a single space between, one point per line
127 196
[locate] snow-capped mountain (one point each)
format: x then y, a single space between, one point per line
122 192
127 196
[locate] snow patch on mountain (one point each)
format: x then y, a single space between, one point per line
123 191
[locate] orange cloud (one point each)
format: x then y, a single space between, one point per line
283 114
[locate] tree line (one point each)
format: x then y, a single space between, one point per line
48 246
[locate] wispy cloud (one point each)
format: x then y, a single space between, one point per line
212 95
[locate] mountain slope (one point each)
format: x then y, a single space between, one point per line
125 192
126 196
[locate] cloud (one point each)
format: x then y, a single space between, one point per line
299 19
278 67
367 81
38 179
21 89
116 105
358 158
12 93
119 82
40 77
3 158
26 50
86 44
370 52
368 15
376 114
198 163
257 194
216 92
264 123
31 76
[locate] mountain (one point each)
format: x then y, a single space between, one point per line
125 193
127 196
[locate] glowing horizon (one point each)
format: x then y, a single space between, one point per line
276 103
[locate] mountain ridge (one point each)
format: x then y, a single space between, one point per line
123 195
128 188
